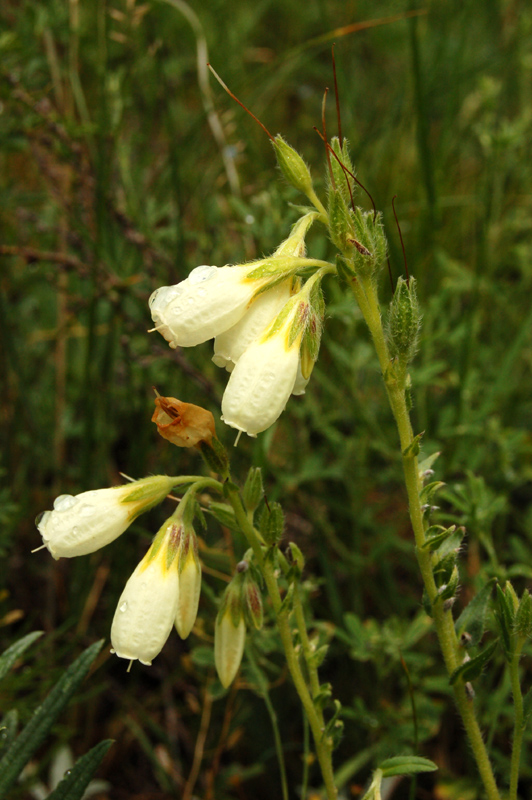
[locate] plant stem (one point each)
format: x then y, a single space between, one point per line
322 743
519 727
394 380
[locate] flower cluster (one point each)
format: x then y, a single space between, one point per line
266 326
164 590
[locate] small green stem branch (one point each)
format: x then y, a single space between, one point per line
305 642
394 379
314 715
519 727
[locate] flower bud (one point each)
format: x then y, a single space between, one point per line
253 491
183 424
292 166
342 180
271 523
404 321
230 632
85 522
147 607
189 570
252 602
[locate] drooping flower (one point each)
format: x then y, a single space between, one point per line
147 607
80 524
183 424
213 299
229 345
266 373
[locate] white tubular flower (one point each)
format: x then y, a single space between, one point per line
147 607
189 569
229 640
213 299
85 522
229 346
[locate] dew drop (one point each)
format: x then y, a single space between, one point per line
123 607
87 510
64 502
39 518
68 772
200 274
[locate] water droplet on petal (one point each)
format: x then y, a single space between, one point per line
123 607
64 502
200 274
87 510
39 518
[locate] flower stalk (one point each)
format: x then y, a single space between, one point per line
395 383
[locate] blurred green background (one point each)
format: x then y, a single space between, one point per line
121 168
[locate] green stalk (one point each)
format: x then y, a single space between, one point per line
519 727
443 620
322 744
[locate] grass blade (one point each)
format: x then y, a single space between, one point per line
43 718
9 656
75 782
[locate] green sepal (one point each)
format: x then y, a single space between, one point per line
443 569
412 450
341 178
404 321
427 463
470 670
298 560
252 603
341 225
523 616
450 545
225 515
428 491
370 248
253 490
292 166
215 456
472 619
271 523
286 604
406 765
36 730
344 269
76 779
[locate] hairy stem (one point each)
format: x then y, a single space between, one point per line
519 727
314 715
443 621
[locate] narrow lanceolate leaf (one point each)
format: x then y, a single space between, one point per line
9 656
406 765
471 669
76 780
44 717
471 620
8 729
505 617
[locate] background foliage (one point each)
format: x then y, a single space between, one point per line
111 184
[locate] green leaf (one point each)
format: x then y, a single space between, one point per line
473 617
413 448
8 729
224 513
428 491
32 736
76 780
406 765
471 669
505 618
9 656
